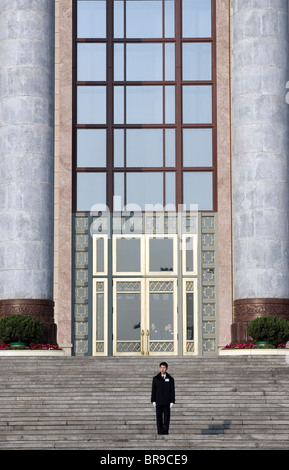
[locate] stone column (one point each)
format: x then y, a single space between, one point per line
260 71
26 159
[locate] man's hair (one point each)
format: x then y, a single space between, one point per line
164 364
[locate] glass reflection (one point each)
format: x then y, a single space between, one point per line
196 18
170 143
169 62
118 104
118 147
169 18
170 191
91 19
197 147
118 8
197 104
118 62
170 104
91 147
144 147
197 61
198 189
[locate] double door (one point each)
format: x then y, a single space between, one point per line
145 316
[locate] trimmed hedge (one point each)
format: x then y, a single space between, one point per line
20 329
269 329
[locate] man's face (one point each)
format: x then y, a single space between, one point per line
163 369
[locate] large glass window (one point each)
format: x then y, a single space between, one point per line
145 90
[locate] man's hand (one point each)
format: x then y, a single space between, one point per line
171 405
154 404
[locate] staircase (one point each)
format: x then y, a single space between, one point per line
104 403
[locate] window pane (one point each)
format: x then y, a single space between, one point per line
91 190
170 147
128 255
118 19
91 147
118 193
144 19
161 254
144 105
197 61
170 105
144 147
198 189
91 105
100 255
144 62
169 18
118 62
196 16
144 188
91 62
170 191
118 104
189 255
197 104
170 62
91 19
197 147
118 147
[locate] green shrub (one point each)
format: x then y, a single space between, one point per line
20 329
269 329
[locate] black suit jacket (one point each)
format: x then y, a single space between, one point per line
163 390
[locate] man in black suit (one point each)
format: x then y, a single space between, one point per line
163 397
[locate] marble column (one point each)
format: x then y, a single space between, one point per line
260 70
26 159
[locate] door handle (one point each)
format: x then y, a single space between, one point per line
148 342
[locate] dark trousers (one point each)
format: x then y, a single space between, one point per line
163 418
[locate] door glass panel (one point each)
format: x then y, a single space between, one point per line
143 19
91 19
128 316
91 105
144 104
144 147
197 147
99 316
189 254
197 61
144 188
100 255
161 254
198 189
144 62
161 316
91 147
128 255
196 15
197 104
